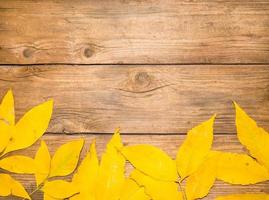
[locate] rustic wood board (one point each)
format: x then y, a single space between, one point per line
169 143
119 31
140 99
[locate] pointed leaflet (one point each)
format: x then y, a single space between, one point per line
9 186
5 134
42 163
7 119
66 158
30 127
18 164
132 191
86 176
151 161
200 182
60 189
255 139
244 197
111 172
156 189
7 113
195 148
241 169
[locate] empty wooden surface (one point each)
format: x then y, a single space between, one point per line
153 68
119 31
140 99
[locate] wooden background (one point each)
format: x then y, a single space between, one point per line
153 68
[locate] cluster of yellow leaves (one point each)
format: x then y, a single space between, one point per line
155 175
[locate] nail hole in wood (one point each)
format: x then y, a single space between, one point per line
27 53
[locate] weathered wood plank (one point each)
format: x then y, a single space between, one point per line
166 31
169 143
140 99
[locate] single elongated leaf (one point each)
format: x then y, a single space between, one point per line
240 169
66 158
42 163
151 161
156 189
195 148
9 186
200 182
18 164
60 189
5 135
30 127
7 113
132 191
111 172
86 177
254 138
244 197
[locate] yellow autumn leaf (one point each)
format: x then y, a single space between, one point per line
48 197
7 113
244 197
241 169
30 127
60 189
5 135
9 186
66 158
132 191
195 148
156 189
18 164
253 137
86 177
200 182
42 163
111 174
151 161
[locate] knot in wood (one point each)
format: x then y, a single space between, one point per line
27 52
88 52
142 79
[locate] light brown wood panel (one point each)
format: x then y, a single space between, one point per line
140 99
168 143
119 31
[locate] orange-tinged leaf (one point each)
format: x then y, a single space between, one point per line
18 164
86 177
244 197
111 172
30 127
253 137
7 113
241 169
151 161
9 186
42 163
66 158
60 189
132 191
195 148
200 182
48 197
156 189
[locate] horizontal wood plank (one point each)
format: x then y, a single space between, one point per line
168 143
203 31
140 99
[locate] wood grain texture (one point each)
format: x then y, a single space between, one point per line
119 31
140 99
169 144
